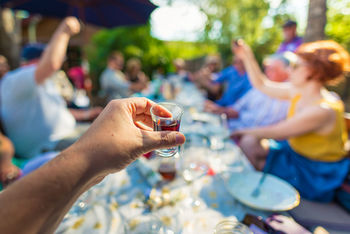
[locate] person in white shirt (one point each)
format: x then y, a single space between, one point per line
113 82
255 108
34 114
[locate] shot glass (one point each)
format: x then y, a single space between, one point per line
172 123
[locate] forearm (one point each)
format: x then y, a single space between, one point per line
214 88
256 76
53 56
37 205
268 132
231 113
80 115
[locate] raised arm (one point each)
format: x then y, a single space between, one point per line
38 202
257 77
54 54
314 119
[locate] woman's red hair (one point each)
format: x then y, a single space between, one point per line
327 60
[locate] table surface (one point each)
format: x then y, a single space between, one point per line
118 201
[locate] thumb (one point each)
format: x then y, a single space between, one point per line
161 140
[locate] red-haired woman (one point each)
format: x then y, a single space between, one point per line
310 153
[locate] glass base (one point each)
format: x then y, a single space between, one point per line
167 153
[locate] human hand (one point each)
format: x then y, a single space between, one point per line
236 136
70 25
211 107
121 133
94 112
286 224
8 173
137 87
241 49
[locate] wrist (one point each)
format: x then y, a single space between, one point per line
87 162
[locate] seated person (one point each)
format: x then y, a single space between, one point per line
8 171
180 70
34 114
233 81
134 74
4 66
114 84
255 108
310 153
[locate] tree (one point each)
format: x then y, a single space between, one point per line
338 22
317 19
10 37
136 41
230 19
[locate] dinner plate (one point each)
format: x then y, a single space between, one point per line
275 193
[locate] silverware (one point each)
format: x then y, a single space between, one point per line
256 191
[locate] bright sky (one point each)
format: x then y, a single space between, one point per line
183 20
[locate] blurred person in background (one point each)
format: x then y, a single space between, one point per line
256 109
291 40
309 148
4 66
34 114
231 84
82 87
80 78
228 86
180 73
134 73
114 83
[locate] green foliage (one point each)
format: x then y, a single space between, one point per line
138 42
337 27
230 19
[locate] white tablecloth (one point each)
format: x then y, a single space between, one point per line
118 200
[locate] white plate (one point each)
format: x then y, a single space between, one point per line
275 193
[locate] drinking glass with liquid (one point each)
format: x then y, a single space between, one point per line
229 226
166 116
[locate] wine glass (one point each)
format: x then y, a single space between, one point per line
194 166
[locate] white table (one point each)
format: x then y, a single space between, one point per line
106 207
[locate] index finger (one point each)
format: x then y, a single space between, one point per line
139 106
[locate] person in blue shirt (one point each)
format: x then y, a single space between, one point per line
234 82
237 83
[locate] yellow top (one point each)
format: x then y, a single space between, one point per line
327 148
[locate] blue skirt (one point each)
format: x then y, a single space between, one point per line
315 180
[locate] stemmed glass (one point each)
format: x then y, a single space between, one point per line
219 133
194 166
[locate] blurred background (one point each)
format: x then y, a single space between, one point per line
189 29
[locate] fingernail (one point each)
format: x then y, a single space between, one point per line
180 139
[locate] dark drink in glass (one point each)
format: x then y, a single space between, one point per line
166 125
167 170
166 117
